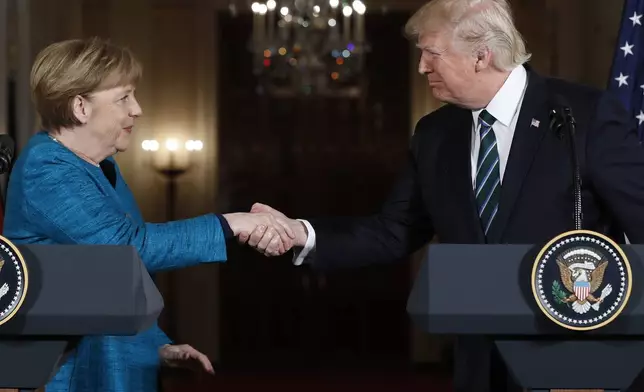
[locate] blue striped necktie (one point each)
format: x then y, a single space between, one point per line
488 178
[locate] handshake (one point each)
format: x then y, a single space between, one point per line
267 230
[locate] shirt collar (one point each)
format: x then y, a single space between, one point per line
505 103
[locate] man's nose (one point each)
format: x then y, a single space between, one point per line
424 67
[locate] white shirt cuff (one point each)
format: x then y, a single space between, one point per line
300 255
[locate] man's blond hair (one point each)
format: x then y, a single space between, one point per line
476 24
77 67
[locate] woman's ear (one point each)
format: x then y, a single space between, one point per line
81 108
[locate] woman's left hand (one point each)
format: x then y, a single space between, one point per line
183 355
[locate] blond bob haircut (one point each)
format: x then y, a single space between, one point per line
78 67
477 24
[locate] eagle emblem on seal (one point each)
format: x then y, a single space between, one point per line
581 280
14 277
582 273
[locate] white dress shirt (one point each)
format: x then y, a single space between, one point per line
504 106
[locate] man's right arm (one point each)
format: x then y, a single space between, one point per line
401 227
301 255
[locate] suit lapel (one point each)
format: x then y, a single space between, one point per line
457 158
525 144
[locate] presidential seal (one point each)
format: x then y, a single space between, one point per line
14 280
581 280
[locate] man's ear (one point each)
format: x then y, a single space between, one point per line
81 108
483 58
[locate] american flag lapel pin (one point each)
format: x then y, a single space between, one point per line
535 123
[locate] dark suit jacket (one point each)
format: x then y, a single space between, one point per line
434 194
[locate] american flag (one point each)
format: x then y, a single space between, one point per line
627 72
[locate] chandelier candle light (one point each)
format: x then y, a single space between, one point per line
308 46
171 162
173 157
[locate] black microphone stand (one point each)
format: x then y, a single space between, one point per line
571 125
562 122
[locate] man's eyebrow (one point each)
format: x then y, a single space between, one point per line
430 48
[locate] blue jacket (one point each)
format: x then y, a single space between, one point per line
55 197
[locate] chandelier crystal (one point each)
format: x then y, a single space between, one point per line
309 47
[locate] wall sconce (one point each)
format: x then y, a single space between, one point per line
173 160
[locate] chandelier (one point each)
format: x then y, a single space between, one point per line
309 47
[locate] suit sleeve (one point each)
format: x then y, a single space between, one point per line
69 207
401 227
615 160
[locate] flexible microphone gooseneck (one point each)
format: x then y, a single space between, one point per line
7 147
563 123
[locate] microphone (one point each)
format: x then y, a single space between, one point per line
562 122
557 121
7 147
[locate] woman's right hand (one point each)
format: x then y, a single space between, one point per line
279 232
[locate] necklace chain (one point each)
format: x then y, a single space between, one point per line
80 154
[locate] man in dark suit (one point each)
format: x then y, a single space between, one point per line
487 167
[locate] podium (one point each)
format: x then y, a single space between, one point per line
73 291
485 290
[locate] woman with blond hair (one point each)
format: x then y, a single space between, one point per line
66 188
